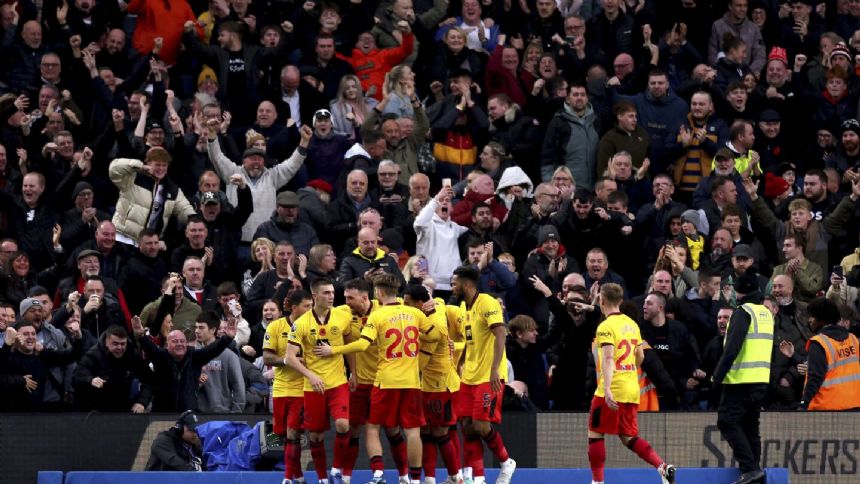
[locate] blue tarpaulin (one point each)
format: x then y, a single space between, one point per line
230 446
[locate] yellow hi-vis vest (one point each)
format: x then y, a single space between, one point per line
752 365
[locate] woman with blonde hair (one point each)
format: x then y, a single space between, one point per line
262 253
396 81
350 108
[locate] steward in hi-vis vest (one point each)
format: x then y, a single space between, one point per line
744 372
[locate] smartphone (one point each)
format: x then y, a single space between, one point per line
569 39
446 182
423 266
837 270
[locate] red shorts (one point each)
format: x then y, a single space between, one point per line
392 407
319 406
359 404
604 420
439 408
287 414
479 402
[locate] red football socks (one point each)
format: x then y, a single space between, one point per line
318 456
494 442
428 454
398 452
293 459
474 450
341 449
450 456
597 458
351 456
643 449
376 463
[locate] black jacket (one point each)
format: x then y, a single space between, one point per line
144 274
176 381
119 375
14 396
170 453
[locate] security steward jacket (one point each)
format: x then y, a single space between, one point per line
833 376
748 346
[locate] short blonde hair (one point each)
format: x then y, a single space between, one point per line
612 294
261 241
521 323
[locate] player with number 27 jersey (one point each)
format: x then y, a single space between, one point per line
623 334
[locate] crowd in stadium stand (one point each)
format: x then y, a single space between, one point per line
185 166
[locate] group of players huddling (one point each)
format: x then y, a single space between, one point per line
417 367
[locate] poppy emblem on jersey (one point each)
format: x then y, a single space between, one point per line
322 331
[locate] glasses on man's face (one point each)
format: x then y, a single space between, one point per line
387 173
85 194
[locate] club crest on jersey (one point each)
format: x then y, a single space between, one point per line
334 331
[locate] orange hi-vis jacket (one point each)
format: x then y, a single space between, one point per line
840 389
648 401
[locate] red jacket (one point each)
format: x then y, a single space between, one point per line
154 20
372 67
462 211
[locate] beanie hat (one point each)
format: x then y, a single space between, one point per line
320 184
206 74
81 186
774 185
547 232
691 216
28 304
840 49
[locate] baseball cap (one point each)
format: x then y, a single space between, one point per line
724 154
320 184
209 197
742 250
769 115
188 419
288 199
152 124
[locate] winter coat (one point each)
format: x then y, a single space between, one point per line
405 154
176 381
135 204
263 190
300 234
746 31
521 137
572 141
119 375
356 264
637 143
661 118
818 234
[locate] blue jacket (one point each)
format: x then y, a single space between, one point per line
661 118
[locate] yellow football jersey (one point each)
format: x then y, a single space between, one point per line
622 333
288 382
438 372
478 322
367 361
398 331
309 331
